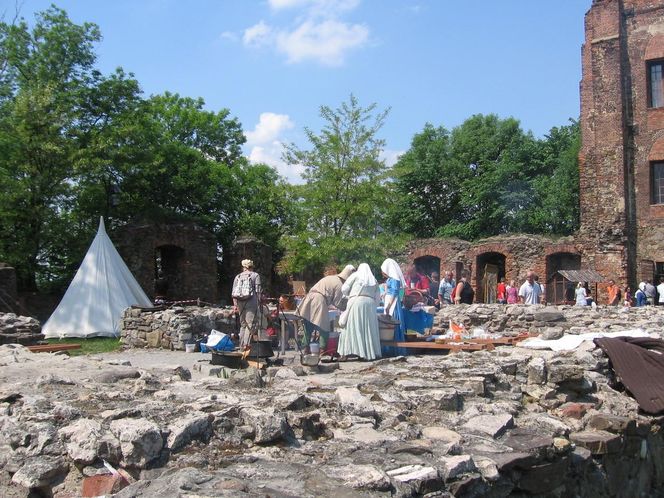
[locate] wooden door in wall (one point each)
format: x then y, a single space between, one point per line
489 282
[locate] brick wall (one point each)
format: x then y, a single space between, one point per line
621 232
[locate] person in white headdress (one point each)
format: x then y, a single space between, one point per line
361 336
314 308
395 284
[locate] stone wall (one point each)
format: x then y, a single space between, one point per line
19 330
552 321
174 327
188 266
517 254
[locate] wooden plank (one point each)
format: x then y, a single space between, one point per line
459 346
52 348
497 341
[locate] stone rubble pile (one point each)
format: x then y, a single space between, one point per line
15 329
505 422
172 328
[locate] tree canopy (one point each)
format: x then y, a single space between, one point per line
76 144
344 203
487 177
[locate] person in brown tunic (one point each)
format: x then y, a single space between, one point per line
315 306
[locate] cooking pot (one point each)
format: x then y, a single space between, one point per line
226 359
261 349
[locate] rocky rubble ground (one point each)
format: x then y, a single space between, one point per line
507 422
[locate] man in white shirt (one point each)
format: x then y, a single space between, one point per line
530 292
660 291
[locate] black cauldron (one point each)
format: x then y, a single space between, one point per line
261 349
226 359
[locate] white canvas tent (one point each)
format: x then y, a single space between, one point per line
102 289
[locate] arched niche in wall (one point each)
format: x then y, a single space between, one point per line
427 264
559 290
168 270
490 269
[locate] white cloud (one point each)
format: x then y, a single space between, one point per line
287 4
326 42
257 35
317 33
329 8
266 144
391 156
229 35
269 127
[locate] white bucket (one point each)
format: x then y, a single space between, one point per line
386 332
314 347
190 348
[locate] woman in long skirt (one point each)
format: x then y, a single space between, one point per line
361 336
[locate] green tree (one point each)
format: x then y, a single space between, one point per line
427 184
47 80
344 201
557 186
265 206
487 177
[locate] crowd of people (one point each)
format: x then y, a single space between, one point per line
362 297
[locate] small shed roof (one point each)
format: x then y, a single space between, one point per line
590 276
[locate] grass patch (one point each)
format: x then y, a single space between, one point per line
93 345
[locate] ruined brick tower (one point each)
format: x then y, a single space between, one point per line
622 126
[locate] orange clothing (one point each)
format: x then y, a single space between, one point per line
613 291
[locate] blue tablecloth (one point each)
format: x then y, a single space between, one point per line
417 320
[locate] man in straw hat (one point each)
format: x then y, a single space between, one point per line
246 295
314 307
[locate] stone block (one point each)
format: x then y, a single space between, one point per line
354 402
611 423
455 466
537 373
598 442
575 410
544 478
39 471
366 477
153 339
493 425
548 315
411 473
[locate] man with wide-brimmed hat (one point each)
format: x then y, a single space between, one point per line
314 308
246 295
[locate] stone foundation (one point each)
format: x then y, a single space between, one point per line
174 327
19 329
550 320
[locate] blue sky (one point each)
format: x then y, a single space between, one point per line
273 63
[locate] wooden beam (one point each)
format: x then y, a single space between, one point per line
52 348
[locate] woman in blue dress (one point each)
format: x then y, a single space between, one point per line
395 283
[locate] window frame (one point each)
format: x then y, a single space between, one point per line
654 198
649 65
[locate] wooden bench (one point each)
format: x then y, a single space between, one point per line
52 348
